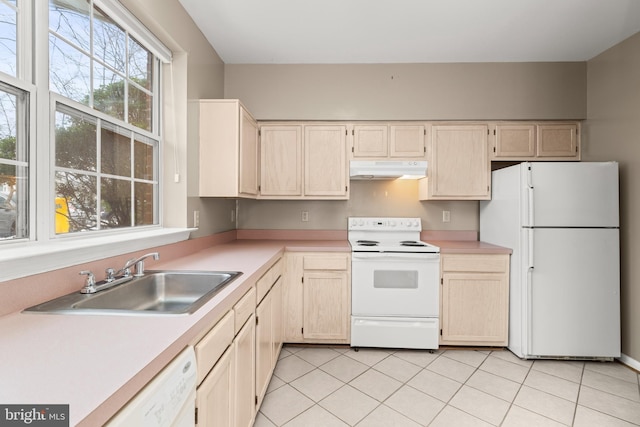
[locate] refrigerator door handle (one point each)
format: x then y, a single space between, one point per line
530 249
530 196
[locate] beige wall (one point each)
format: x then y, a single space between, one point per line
196 72
612 132
368 198
410 91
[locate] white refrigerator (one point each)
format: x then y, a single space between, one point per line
561 219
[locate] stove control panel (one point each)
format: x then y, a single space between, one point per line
372 224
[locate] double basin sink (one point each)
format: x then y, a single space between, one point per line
157 292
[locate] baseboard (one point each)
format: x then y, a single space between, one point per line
632 363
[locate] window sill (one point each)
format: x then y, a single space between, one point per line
25 259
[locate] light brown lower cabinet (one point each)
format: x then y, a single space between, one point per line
225 396
474 299
268 334
215 395
317 297
245 379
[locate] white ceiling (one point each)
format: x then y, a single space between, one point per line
412 31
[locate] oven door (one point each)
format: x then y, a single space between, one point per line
395 284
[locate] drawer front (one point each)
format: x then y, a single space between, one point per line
268 279
495 263
244 309
212 346
326 262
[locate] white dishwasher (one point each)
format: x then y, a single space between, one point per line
169 400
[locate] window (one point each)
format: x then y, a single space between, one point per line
106 121
94 132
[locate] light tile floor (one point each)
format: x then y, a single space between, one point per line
337 386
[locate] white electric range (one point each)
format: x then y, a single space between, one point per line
394 284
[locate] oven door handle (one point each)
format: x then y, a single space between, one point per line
394 256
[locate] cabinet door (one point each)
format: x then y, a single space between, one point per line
281 160
325 161
370 141
474 309
326 305
245 381
248 179
264 346
292 310
276 319
557 140
215 396
515 141
459 167
407 141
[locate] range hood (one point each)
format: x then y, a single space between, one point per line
387 169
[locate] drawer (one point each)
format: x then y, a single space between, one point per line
268 279
213 344
486 263
244 309
326 262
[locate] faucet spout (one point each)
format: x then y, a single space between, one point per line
139 264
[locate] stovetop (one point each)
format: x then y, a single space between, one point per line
387 235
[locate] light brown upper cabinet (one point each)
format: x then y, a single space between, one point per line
557 140
391 140
459 166
407 141
304 161
281 160
536 141
370 141
227 136
325 161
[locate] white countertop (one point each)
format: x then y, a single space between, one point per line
96 363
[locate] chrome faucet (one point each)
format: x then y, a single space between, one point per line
139 264
112 278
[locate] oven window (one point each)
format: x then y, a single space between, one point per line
395 279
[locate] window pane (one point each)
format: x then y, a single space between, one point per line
8 125
75 202
109 41
75 142
116 203
14 171
71 20
8 40
116 153
144 164
69 71
108 92
140 64
144 203
139 108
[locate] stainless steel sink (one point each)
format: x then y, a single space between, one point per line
157 292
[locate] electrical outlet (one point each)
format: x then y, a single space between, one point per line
196 218
305 216
446 216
